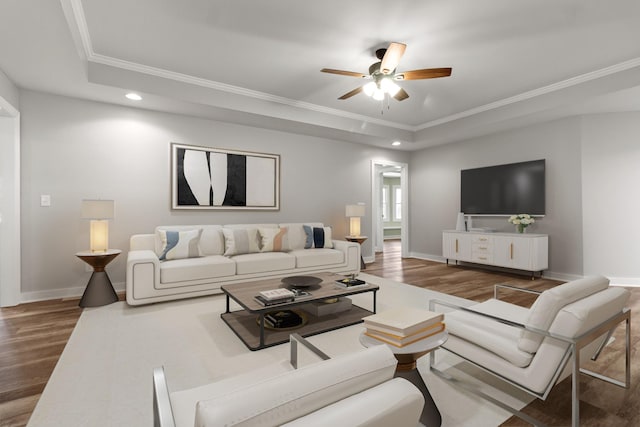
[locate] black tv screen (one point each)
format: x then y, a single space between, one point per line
511 189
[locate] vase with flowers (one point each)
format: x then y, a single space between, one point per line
521 221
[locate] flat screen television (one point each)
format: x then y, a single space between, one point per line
509 189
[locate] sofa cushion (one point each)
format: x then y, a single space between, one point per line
264 262
317 237
241 241
274 239
182 270
297 236
294 394
317 257
550 302
177 244
498 338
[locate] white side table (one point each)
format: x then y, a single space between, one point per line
407 357
99 290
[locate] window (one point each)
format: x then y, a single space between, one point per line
385 204
397 203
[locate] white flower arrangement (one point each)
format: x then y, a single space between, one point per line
522 221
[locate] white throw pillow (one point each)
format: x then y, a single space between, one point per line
274 239
179 244
239 241
317 237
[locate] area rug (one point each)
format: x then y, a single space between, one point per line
103 377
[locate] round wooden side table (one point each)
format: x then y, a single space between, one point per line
99 290
407 357
359 240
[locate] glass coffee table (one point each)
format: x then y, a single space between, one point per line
248 323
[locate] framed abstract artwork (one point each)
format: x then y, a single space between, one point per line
213 178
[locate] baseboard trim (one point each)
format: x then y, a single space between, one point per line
76 292
554 275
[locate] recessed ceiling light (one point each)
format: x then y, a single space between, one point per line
133 96
396 143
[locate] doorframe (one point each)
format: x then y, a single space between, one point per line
10 274
376 215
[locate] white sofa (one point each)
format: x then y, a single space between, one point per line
354 389
202 271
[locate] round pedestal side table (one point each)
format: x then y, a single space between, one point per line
359 240
407 357
99 290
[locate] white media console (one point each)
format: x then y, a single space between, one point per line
528 252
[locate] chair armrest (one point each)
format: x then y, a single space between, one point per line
294 339
162 412
434 302
513 288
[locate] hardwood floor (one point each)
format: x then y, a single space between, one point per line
32 337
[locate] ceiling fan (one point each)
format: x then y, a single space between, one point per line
384 74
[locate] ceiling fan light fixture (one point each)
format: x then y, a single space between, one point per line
378 94
369 88
389 86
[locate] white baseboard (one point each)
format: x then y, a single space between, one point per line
564 277
61 293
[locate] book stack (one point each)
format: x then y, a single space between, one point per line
275 296
403 326
283 319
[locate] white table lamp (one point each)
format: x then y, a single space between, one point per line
99 212
354 213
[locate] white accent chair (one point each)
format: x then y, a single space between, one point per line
356 389
535 348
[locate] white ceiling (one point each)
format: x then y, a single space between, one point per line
515 62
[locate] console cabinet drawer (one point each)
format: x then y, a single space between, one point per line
520 251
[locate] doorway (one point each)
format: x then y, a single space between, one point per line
9 205
390 204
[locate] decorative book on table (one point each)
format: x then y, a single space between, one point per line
275 296
351 282
402 321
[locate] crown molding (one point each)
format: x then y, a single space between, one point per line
573 81
76 20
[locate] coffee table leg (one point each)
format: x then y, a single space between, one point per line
261 330
430 413
228 304
374 301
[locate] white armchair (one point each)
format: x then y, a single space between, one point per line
356 389
535 348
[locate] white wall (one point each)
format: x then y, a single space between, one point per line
611 196
435 189
9 193
73 149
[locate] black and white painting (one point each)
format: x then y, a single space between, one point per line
212 178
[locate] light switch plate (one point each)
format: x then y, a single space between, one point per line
45 200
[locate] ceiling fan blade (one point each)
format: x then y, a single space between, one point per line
343 73
427 73
353 92
401 95
392 57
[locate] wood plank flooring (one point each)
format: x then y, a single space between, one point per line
32 337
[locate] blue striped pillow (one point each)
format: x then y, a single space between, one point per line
317 237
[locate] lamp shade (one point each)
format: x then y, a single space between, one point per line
98 209
355 210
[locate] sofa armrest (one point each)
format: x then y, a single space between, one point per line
396 402
143 273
